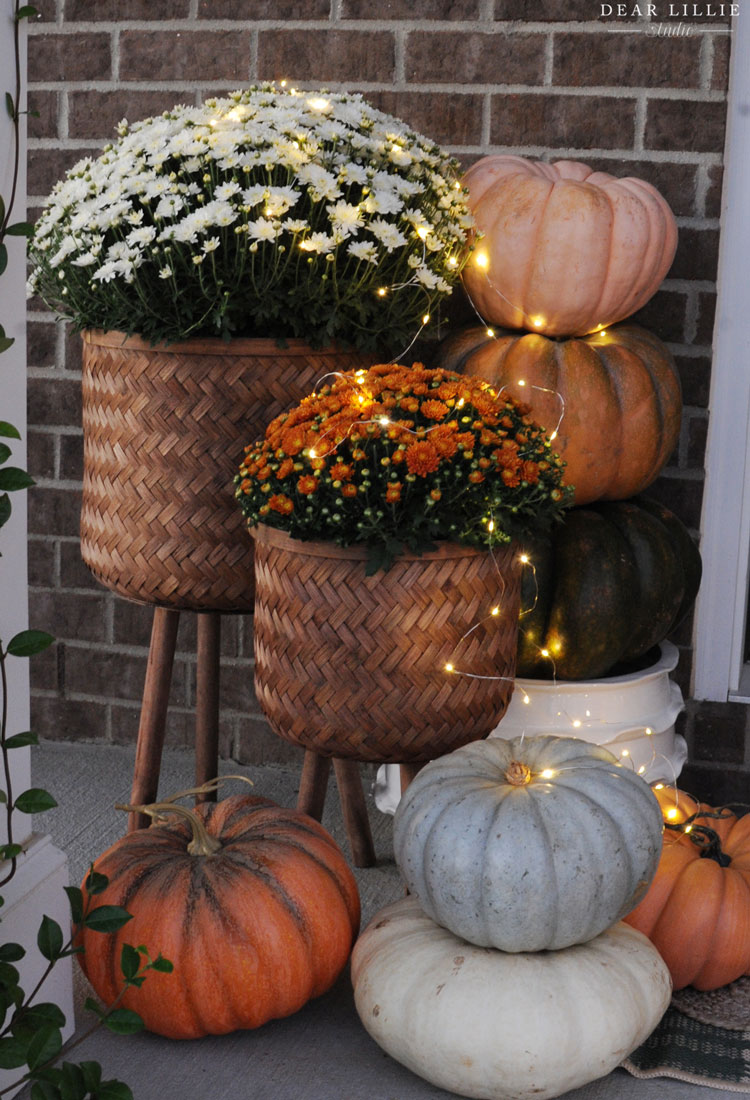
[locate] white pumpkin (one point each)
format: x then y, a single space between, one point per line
495 1026
528 844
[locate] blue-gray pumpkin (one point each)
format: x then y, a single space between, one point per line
528 844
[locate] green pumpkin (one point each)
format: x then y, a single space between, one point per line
608 584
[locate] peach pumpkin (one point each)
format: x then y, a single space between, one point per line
565 250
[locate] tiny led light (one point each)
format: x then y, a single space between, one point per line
526 699
425 319
537 322
460 403
521 382
422 232
545 653
482 260
490 332
576 723
384 421
688 829
547 773
671 813
642 769
553 436
318 103
495 611
382 292
625 752
524 559
452 261
313 454
490 525
449 667
659 787
649 731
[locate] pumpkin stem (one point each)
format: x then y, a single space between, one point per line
202 843
518 774
707 839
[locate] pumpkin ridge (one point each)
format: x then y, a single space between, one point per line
320 863
531 251
604 284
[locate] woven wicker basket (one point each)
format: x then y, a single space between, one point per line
164 429
354 666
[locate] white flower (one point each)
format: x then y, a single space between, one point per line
388 235
142 235
426 277
165 272
262 230
317 242
321 183
211 244
382 202
226 190
345 218
364 250
85 259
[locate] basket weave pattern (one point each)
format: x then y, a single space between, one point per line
164 431
354 666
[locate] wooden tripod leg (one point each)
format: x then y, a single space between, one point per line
207 701
313 784
407 773
153 712
354 809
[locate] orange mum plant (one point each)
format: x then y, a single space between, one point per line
401 457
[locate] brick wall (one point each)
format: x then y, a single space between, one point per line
544 78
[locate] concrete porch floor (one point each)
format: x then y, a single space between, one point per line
321 1053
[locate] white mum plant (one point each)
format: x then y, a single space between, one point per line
274 212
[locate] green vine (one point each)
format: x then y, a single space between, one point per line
31 1030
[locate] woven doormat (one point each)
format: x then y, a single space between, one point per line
703 1039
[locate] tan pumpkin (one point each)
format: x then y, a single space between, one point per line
565 250
613 398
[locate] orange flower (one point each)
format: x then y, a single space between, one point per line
511 478
307 484
434 410
293 441
422 458
410 404
349 490
393 492
476 477
281 503
530 472
341 471
435 494
285 469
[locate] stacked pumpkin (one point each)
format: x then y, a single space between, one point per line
507 972
566 254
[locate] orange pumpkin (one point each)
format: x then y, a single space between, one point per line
697 910
614 399
258 915
565 250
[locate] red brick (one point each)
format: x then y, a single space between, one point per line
54 511
452 57
267 9
41 343
71 457
116 11
695 375
562 121
43 669
114 675
132 627
683 496
697 254
82 56
181 55
548 11
180 727
46 166
664 315
72 350
720 66
73 572
719 732
74 615
448 10
54 401
258 744
715 784
706 315
43 113
713 195
628 60
41 562
68 719
696 442
685 125
41 457
677 183
450 119
324 56
96 114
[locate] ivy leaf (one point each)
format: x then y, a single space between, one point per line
130 961
34 801
19 229
20 740
91 1006
13 478
123 1021
3 261
28 11
10 851
11 952
114 1090
8 430
106 918
95 883
75 899
44 1090
92 1074
5 452
50 939
45 1044
29 642
13 1052
162 965
36 1016
5 509
72 1084
10 106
